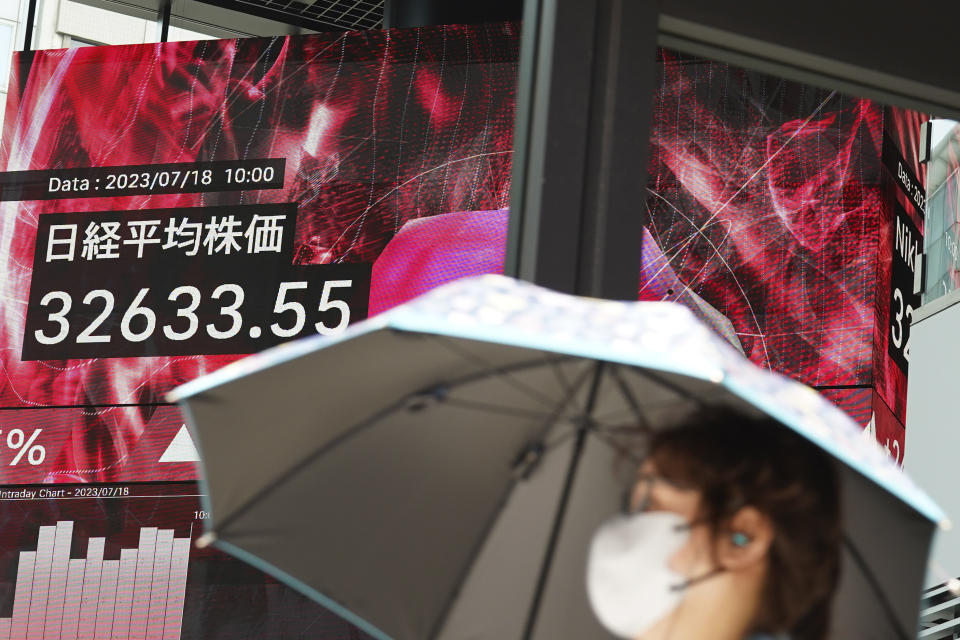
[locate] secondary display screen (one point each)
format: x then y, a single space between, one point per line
120 561
765 199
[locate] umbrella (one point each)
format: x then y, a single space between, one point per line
437 471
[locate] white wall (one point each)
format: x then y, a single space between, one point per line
932 446
12 16
103 27
60 22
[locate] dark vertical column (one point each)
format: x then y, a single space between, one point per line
31 19
421 13
587 77
165 19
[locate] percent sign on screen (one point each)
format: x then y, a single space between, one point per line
18 441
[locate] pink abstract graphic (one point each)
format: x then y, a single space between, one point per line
770 210
377 129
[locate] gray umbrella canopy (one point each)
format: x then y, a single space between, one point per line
438 471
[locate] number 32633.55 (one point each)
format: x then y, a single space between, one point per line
139 321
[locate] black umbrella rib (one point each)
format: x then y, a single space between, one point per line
356 429
497 409
620 449
562 505
473 358
627 394
562 378
635 405
582 380
867 572
506 373
669 386
293 470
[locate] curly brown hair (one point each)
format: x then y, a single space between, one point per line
736 459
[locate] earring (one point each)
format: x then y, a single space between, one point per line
740 539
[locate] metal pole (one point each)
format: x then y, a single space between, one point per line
31 18
165 20
587 80
563 504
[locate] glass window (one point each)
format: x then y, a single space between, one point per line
941 129
9 10
7 30
178 34
73 41
80 22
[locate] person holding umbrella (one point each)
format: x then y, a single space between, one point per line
731 530
457 454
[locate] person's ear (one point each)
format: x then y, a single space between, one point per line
746 541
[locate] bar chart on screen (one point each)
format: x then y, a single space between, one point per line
116 561
138 596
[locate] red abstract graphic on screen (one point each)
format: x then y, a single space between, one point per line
376 129
770 212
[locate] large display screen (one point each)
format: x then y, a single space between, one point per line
166 209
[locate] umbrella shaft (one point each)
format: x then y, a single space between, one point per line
564 502
555 534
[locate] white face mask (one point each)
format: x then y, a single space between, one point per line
629 581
